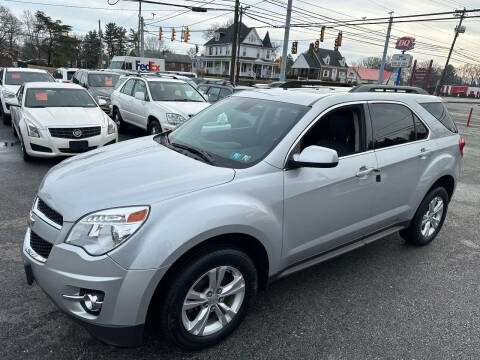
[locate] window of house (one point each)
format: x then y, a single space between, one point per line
216 50
325 73
392 125
244 51
243 67
210 51
258 54
268 54
341 130
228 50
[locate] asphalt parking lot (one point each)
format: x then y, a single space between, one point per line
384 301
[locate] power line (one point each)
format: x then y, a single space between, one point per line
77 6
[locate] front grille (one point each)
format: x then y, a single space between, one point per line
82 132
40 246
49 213
72 151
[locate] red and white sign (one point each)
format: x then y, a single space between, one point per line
405 43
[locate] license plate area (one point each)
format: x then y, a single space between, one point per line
79 145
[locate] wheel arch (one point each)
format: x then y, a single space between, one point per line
447 182
241 241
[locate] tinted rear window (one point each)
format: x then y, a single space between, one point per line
440 112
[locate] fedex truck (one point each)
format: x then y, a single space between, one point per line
134 63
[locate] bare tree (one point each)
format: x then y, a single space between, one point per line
210 32
153 44
191 53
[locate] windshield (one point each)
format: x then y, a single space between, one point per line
102 80
173 91
20 77
238 132
36 98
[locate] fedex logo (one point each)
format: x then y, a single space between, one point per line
151 66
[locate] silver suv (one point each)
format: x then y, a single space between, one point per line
255 187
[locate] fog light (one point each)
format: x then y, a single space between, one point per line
91 300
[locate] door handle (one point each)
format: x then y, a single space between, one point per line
364 171
424 153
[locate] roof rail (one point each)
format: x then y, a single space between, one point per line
389 88
311 83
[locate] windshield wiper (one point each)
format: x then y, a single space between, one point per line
201 153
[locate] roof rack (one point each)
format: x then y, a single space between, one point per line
389 88
311 83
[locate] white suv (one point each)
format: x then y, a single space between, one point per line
10 81
155 104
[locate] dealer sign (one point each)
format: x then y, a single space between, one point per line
405 43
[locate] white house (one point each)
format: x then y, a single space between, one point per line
256 54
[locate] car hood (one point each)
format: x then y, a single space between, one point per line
12 88
102 91
186 109
66 116
135 172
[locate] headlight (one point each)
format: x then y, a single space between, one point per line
103 231
7 94
175 119
32 130
112 127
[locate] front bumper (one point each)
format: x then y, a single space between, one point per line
68 270
48 146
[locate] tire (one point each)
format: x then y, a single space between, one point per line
26 157
176 323
154 127
427 221
5 118
117 118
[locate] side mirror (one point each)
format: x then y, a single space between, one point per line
315 157
140 96
102 102
12 101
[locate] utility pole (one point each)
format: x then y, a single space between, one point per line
238 47
385 49
285 41
139 24
142 42
100 65
234 42
458 29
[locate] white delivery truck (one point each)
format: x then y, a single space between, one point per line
137 63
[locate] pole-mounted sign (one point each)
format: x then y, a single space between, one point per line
405 43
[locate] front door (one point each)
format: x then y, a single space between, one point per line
328 208
139 107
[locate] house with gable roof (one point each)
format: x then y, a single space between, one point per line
321 64
256 56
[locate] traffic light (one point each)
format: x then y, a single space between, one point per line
173 35
336 45
280 62
322 33
196 49
317 45
186 37
160 34
294 47
339 37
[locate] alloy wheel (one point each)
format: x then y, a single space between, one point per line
432 217
213 301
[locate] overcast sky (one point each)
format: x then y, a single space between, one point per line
433 38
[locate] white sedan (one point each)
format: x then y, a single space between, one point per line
55 119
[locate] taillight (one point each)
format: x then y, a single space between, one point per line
66 81
461 145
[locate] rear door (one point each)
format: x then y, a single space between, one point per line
399 142
126 98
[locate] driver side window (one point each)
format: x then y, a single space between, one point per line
341 130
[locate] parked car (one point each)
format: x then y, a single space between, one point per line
214 92
212 81
64 74
10 81
56 119
100 84
388 88
155 103
253 188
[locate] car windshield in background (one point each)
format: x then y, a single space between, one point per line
237 132
116 65
102 80
39 98
20 77
173 91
